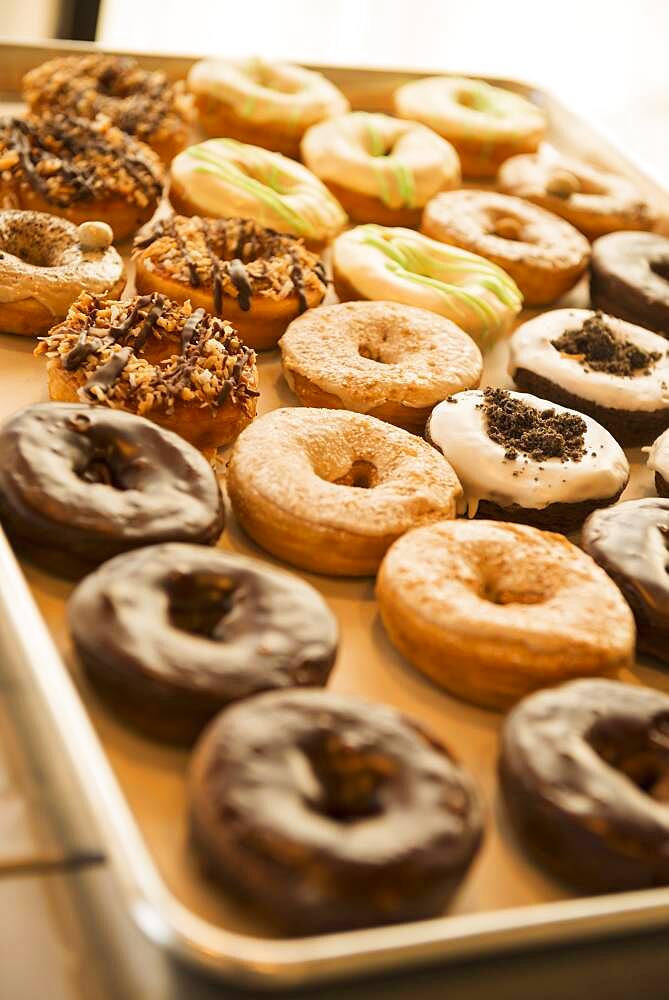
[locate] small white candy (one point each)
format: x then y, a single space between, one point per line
95 235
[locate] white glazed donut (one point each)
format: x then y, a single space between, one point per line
658 461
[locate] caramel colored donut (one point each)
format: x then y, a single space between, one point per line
594 201
583 769
486 124
544 255
381 169
492 611
258 279
327 813
263 103
80 170
329 490
46 262
137 101
390 361
184 369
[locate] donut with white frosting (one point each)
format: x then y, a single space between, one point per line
658 463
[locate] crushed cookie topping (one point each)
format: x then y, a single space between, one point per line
538 434
595 346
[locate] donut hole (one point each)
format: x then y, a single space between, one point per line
496 592
104 465
266 77
646 766
507 227
475 100
35 252
362 475
199 604
341 781
660 267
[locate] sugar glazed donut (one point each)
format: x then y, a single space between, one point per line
80 484
328 813
329 490
492 611
400 265
224 178
182 368
84 171
258 279
544 255
46 262
629 278
381 169
583 769
264 103
390 361
486 124
170 634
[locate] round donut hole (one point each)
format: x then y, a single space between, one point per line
199 603
105 464
493 590
33 252
508 228
362 475
660 267
340 781
645 765
372 352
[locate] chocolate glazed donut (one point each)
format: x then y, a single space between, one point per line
328 813
585 775
80 484
630 278
172 633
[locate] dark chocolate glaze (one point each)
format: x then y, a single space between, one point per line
173 633
630 278
328 812
585 774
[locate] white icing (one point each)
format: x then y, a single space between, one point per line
457 427
658 455
531 348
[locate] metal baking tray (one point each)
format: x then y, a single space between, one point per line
113 792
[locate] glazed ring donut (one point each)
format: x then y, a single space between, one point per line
544 255
140 102
46 262
184 369
80 484
594 201
485 124
629 278
658 463
223 178
327 813
263 103
381 169
583 769
80 170
258 279
492 611
329 490
400 265
390 361
172 633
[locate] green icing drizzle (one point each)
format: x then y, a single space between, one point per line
376 143
248 107
405 185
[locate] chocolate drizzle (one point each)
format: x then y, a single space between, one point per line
297 278
190 329
105 376
240 279
216 282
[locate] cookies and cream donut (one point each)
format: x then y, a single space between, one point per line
629 278
265 103
400 265
381 169
223 178
544 255
330 490
390 361
46 262
486 124
615 372
658 463
521 458
492 611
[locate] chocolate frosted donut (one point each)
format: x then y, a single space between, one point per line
172 633
331 813
630 278
79 484
585 773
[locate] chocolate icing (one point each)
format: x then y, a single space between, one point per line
630 278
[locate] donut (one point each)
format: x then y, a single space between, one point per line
658 463
46 262
140 102
629 278
80 484
583 770
258 279
486 124
615 372
84 171
329 490
223 178
170 634
327 813
521 458
593 200
390 361
543 254
381 169
399 265
183 368
491 611
263 103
